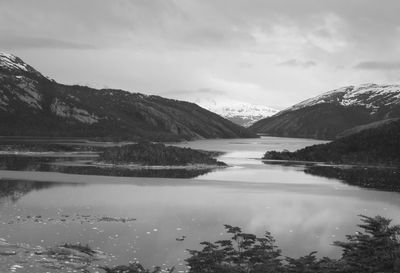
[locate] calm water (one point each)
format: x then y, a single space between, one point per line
303 212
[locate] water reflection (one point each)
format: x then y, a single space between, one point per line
368 177
82 165
374 177
253 148
13 190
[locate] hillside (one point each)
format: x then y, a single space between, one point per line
33 105
328 115
379 145
368 126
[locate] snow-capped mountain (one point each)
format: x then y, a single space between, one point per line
241 113
371 96
326 116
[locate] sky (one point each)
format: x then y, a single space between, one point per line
270 52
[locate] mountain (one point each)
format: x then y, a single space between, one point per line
33 105
241 113
379 145
327 115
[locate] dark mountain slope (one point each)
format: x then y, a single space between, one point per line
326 116
33 105
368 126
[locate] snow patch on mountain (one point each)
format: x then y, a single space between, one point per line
371 96
9 61
14 64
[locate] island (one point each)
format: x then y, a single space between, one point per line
157 154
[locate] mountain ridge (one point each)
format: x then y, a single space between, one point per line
327 115
31 104
369 95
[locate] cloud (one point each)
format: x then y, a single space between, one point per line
245 65
194 25
211 91
204 91
378 65
19 42
298 63
230 45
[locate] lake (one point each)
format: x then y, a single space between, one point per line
303 212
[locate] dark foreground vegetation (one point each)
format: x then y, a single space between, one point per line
374 146
374 249
157 154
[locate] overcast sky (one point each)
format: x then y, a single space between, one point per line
271 52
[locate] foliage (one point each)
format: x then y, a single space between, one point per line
310 263
243 253
156 154
376 249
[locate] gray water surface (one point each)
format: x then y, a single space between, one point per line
303 212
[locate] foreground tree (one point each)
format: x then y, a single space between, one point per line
311 264
243 253
376 249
